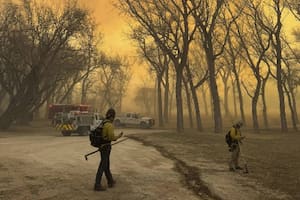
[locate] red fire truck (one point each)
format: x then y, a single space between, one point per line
72 118
66 108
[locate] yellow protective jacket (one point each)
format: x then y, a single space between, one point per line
235 134
108 131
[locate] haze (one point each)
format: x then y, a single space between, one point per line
140 86
193 100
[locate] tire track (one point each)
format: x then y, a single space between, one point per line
191 175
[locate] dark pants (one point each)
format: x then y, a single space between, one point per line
235 155
104 166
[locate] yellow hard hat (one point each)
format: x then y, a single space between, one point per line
238 123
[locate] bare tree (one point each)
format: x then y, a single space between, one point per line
196 75
289 86
225 75
277 8
233 60
277 44
159 63
207 16
114 78
188 101
144 99
37 53
291 77
94 59
264 79
204 95
255 42
175 16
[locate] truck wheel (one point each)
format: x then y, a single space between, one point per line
66 133
143 125
117 123
84 131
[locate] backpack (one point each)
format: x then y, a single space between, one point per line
228 139
96 137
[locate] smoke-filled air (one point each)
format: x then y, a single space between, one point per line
150 99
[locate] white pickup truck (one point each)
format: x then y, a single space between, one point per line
133 120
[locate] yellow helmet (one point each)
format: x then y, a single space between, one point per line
110 113
238 123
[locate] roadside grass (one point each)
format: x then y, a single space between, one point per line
273 157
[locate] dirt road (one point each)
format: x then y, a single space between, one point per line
39 163
45 165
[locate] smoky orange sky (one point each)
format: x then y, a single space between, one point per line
114 28
115 42
110 23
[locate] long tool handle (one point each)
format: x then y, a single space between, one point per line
86 156
120 141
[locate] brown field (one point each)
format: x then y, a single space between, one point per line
273 158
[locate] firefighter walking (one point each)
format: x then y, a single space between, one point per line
104 166
235 134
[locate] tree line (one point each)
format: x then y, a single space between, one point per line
195 46
237 45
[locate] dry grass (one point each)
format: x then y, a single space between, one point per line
273 157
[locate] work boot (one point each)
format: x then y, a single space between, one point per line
246 170
111 184
99 187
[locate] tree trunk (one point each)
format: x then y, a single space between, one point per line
166 97
15 110
294 106
21 105
25 119
234 99
195 100
224 78
205 101
254 106
84 91
226 107
278 49
171 100
197 110
154 100
2 98
294 121
188 100
214 92
159 102
7 118
240 95
179 99
264 104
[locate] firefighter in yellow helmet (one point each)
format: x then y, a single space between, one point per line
236 136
